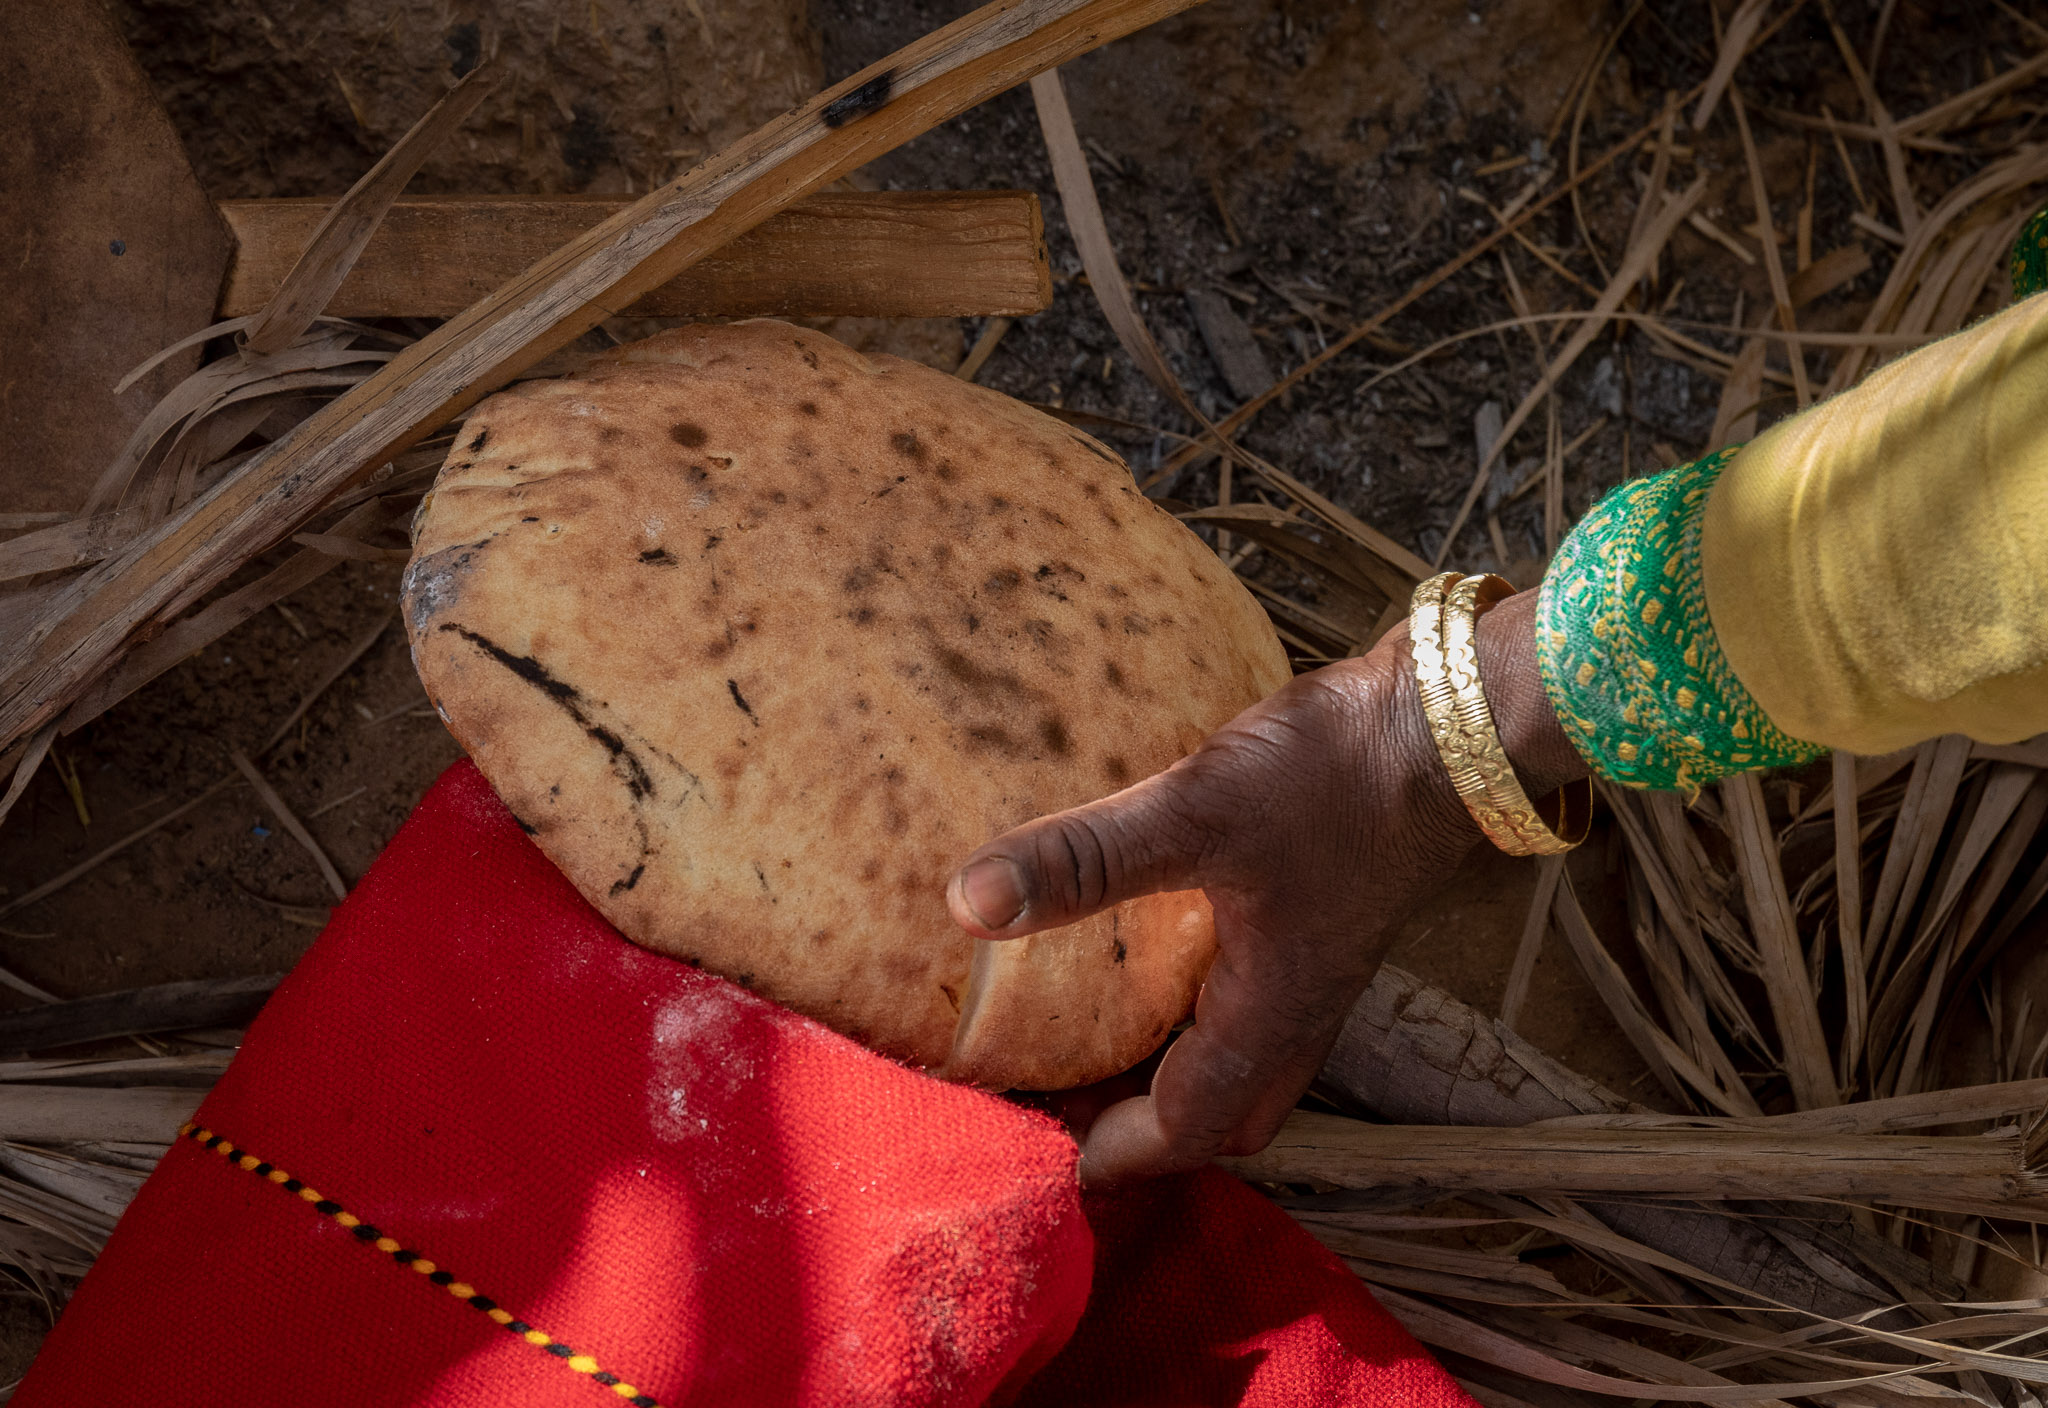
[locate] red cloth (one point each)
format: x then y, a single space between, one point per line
674 1191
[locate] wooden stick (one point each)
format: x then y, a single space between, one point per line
1549 871
1794 1007
601 272
1635 264
1359 331
1966 1105
1773 266
884 254
293 827
1413 1054
65 1115
1716 1163
168 1007
1849 918
332 246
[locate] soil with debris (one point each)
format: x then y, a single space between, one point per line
1280 167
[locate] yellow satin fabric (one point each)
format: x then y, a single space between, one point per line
1876 568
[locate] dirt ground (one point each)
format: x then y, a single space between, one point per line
1309 158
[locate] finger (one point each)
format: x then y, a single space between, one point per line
1228 1083
1064 867
1199 1097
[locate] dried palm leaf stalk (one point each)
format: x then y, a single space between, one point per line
70 650
1839 1200
1781 1230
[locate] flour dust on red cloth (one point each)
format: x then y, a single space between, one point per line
479 1149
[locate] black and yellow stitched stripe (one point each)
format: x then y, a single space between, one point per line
370 1236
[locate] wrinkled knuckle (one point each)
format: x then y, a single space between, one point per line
1203 815
1073 865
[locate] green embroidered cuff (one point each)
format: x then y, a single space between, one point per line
2029 264
1629 658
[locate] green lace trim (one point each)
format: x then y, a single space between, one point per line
1629 658
2029 262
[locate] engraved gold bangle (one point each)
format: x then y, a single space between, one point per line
1443 617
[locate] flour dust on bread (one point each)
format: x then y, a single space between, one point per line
759 638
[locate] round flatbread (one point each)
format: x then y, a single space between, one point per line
759 638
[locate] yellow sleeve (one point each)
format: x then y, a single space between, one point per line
1876 568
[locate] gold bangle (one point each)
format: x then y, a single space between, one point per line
1443 619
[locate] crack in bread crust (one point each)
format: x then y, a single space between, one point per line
885 614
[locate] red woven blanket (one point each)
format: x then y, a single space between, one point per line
479 1149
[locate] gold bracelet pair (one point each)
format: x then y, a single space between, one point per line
1443 633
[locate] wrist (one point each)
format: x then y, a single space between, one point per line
1536 744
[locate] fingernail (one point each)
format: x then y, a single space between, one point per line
993 890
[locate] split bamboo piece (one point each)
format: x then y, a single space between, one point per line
337 239
1413 1054
1970 1103
61 1115
883 254
84 627
1932 1172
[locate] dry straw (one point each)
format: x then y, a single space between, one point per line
1810 953
1714 1253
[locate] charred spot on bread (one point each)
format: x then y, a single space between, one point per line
939 663
639 782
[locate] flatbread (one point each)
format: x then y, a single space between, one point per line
759 638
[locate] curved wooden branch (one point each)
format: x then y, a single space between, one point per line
594 276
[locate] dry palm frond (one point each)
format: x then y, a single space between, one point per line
188 441
1872 1245
70 652
1814 960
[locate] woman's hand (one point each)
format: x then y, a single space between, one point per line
1313 821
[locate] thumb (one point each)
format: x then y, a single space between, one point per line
1062 868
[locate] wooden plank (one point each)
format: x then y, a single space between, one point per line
882 254
78 634
2033 751
1413 1054
1701 1163
169 1007
41 1114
